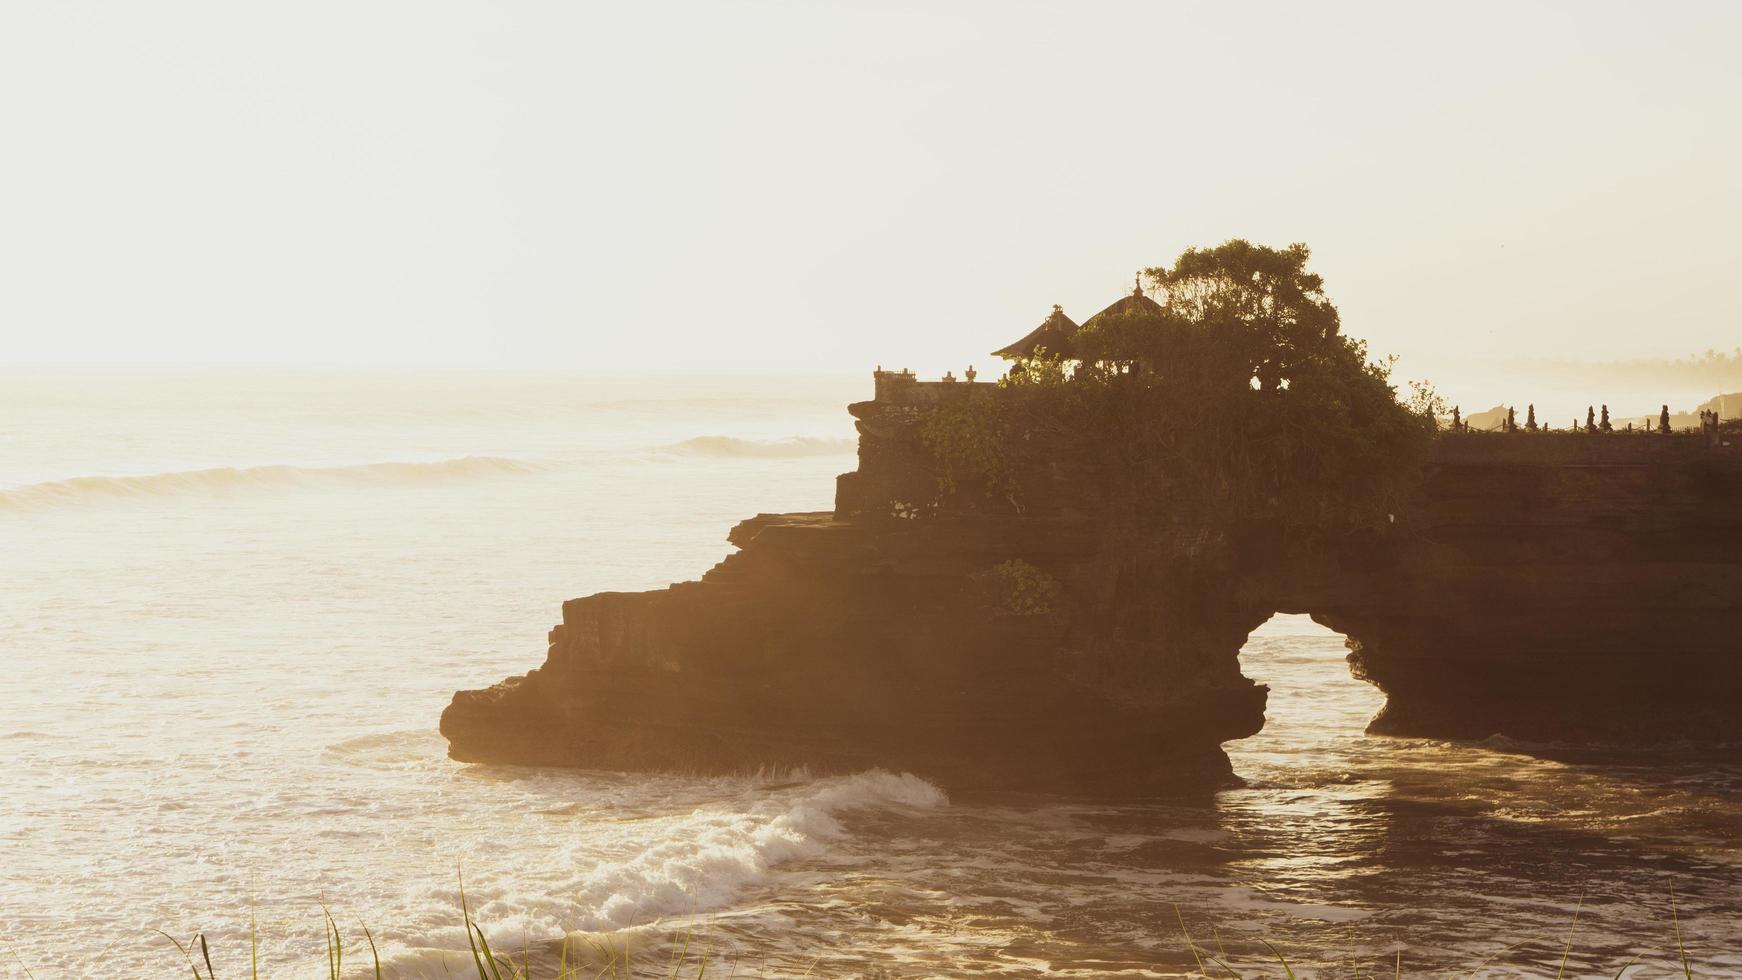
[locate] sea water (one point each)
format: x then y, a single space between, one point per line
234 604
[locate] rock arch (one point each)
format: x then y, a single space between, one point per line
1539 587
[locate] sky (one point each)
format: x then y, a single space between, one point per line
827 187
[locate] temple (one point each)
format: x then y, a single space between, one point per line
1057 334
1547 586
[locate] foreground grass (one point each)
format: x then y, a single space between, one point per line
694 958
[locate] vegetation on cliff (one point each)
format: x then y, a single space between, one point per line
1017 588
1233 396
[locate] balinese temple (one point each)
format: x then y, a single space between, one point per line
1057 333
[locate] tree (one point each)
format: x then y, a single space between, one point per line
1265 302
1235 397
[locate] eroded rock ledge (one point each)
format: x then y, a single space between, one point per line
841 645
1544 587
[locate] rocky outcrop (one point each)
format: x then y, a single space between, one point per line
1541 586
1547 587
840 645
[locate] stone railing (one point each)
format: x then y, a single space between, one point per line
904 387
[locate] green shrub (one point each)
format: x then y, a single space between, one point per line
1016 588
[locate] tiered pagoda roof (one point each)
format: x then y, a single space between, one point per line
1136 302
1057 333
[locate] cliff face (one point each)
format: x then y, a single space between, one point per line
842 645
1542 586
1549 587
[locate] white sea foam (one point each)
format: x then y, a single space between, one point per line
700 861
225 480
728 446
682 865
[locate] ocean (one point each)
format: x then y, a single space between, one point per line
234 605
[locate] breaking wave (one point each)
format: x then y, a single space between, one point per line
762 449
693 863
227 480
705 859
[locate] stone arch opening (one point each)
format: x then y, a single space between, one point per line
1315 700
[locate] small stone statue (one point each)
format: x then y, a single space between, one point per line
970 375
1530 420
1590 419
1604 425
1663 420
1457 419
1511 419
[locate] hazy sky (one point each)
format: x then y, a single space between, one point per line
790 185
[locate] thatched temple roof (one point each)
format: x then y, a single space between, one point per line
1136 302
1055 333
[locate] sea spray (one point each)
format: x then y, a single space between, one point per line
795 446
228 480
693 863
706 858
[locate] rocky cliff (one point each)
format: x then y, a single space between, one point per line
1542 586
1548 587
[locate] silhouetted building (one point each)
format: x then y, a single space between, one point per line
1056 334
1136 302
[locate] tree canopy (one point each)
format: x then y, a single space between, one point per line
1235 398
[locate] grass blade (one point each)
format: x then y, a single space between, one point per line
374 953
335 946
1191 945
1681 950
1274 951
489 957
466 915
1568 948
681 954
1224 966
184 953
206 954
1280 959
